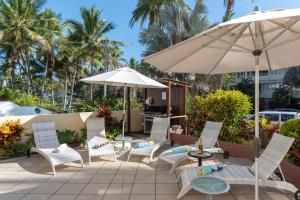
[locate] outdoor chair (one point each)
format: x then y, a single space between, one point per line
46 142
158 134
97 143
209 139
268 162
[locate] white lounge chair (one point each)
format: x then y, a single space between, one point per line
46 142
96 136
209 139
158 134
268 162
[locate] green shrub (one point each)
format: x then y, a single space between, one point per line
8 94
230 107
66 136
112 133
21 149
27 100
291 128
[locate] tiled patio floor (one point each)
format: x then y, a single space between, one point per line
31 179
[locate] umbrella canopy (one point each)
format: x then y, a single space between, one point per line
258 41
124 77
228 47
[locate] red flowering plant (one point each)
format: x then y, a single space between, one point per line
104 111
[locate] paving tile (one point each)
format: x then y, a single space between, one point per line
89 197
274 196
167 189
165 178
60 178
23 188
166 197
70 188
62 197
108 170
245 197
47 188
4 187
36 197
119 189
241 189
116 197
102 178
17 178
81 178
141 197
37 178
143 189
123 178
144 178
11 196
95 189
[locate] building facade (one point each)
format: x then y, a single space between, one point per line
269 81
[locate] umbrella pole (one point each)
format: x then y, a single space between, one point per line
123 125
256 141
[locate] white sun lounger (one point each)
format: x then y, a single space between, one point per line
158 134
96 136
268 162
46 142
209 139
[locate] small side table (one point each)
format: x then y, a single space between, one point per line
125 145
210 186
204 155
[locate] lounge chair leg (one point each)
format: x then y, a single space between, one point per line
128 157
226 154
172 169
114 156
53 169
90 160
81 162
297 195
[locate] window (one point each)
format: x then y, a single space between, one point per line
274 85
250 73
263 73
285 117
272 117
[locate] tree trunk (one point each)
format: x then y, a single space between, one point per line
72 89
66 92
91 85
45 77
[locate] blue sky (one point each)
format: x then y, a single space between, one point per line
119 13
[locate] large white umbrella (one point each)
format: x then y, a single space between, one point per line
124 77
259 41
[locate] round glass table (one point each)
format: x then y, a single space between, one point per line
210 186
123 144
204 155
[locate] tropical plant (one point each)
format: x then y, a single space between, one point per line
150 10
89 38
22 27
291 128
10 133
230 107
67 136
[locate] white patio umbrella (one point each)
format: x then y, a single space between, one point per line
124 77
259 41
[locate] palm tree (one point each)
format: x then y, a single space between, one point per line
177 24
89 37
21 31
229 4
150 10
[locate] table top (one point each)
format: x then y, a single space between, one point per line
195 154
210 185
125 138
